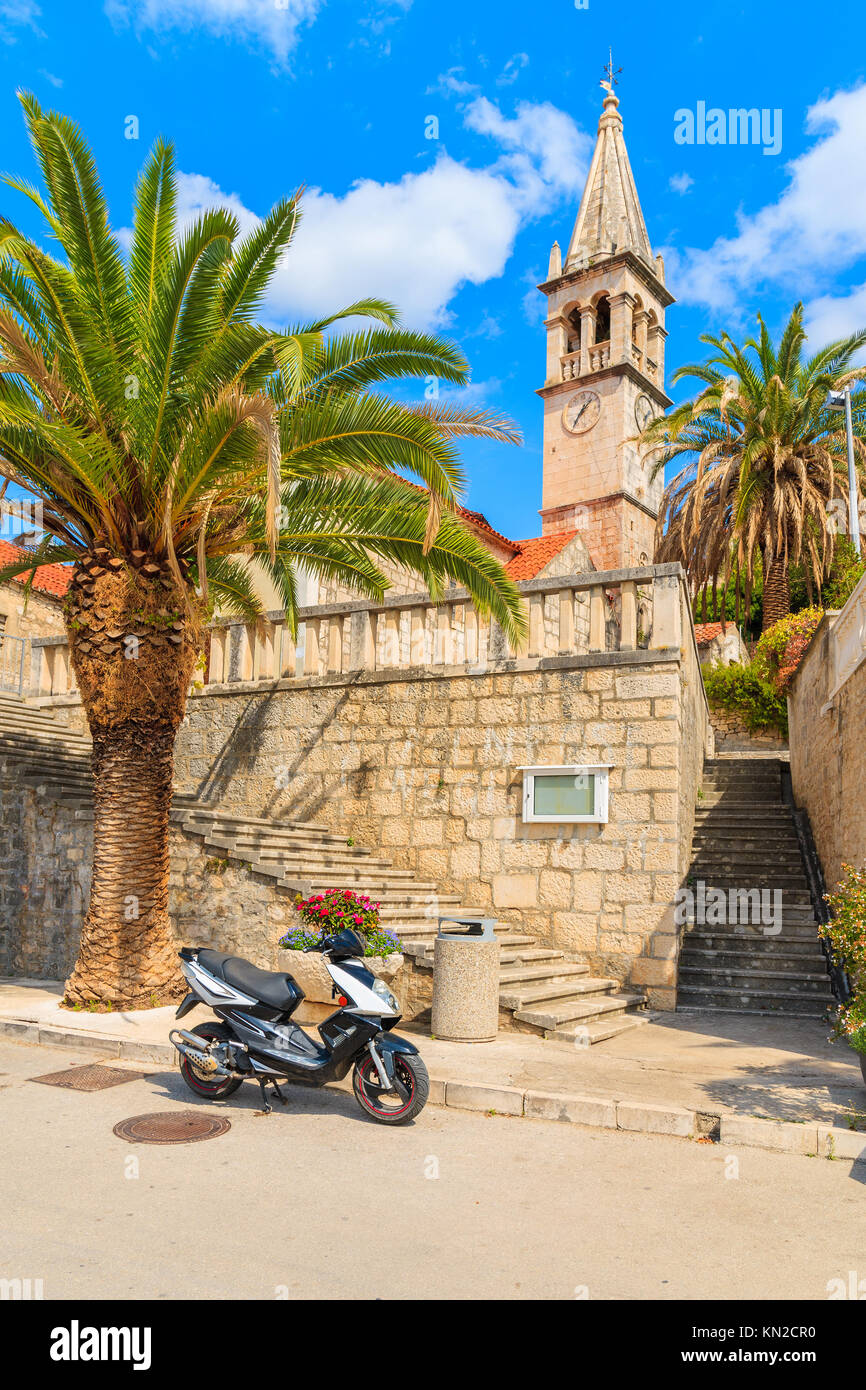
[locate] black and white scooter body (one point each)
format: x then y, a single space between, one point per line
258 1039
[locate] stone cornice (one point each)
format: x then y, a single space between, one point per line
615 369
614 262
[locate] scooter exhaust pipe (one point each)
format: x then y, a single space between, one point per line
190 1047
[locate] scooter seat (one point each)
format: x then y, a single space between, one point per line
268 986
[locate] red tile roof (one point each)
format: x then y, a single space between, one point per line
535 553
706 632
480 520
49 579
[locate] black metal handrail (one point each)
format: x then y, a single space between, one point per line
839 980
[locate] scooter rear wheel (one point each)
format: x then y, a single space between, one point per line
396 1107
206 1085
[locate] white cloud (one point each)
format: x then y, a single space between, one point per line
415 242
50 77
196 193
681 183
829 317
451 83
273 24
548 156
15 14
512 70
815 229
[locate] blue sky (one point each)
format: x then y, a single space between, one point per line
261 96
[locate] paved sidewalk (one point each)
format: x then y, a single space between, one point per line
780 1081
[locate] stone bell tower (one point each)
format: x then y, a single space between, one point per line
605 363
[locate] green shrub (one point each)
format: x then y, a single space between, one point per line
846 936
743 690
780 650
756 691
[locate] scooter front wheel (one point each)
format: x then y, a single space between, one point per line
404 1102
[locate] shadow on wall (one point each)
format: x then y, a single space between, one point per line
245 743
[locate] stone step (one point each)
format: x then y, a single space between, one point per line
755 846
730 839
755 947
796 922
717 862
512 954
714 976
753 1001
55 782
205 813
519 997
372 867
24 728
511 973
751 877
587 1034
601 1001
764 788
46 756
289 835
808 965
301 851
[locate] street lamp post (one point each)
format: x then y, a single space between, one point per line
838 398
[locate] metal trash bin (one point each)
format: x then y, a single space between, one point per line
466 980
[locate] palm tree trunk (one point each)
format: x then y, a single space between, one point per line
126 955
777 596
133 644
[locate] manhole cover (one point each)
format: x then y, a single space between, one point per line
171 1127
93 1077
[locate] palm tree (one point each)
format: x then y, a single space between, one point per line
172 439
766 456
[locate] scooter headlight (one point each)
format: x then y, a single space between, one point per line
381 990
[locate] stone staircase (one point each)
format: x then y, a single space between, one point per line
542 990
43 753
745 838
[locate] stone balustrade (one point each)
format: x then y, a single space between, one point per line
51 670
568 616
570 366
599 357
576 614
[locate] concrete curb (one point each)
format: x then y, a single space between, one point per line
593 1112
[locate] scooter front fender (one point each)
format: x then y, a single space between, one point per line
388 1046
390 1042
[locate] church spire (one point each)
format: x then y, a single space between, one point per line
610 217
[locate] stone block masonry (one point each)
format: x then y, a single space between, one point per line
827 718
425 767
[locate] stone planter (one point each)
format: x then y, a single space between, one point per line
308 970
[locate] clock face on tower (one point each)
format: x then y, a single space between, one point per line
643 411
581 412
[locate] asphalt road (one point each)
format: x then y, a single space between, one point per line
316 1201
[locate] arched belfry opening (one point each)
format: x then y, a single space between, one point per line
602 320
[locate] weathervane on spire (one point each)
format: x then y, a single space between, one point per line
609 81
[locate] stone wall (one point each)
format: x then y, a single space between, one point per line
36 616
45 885
732 735
44 882
426 767
828 755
